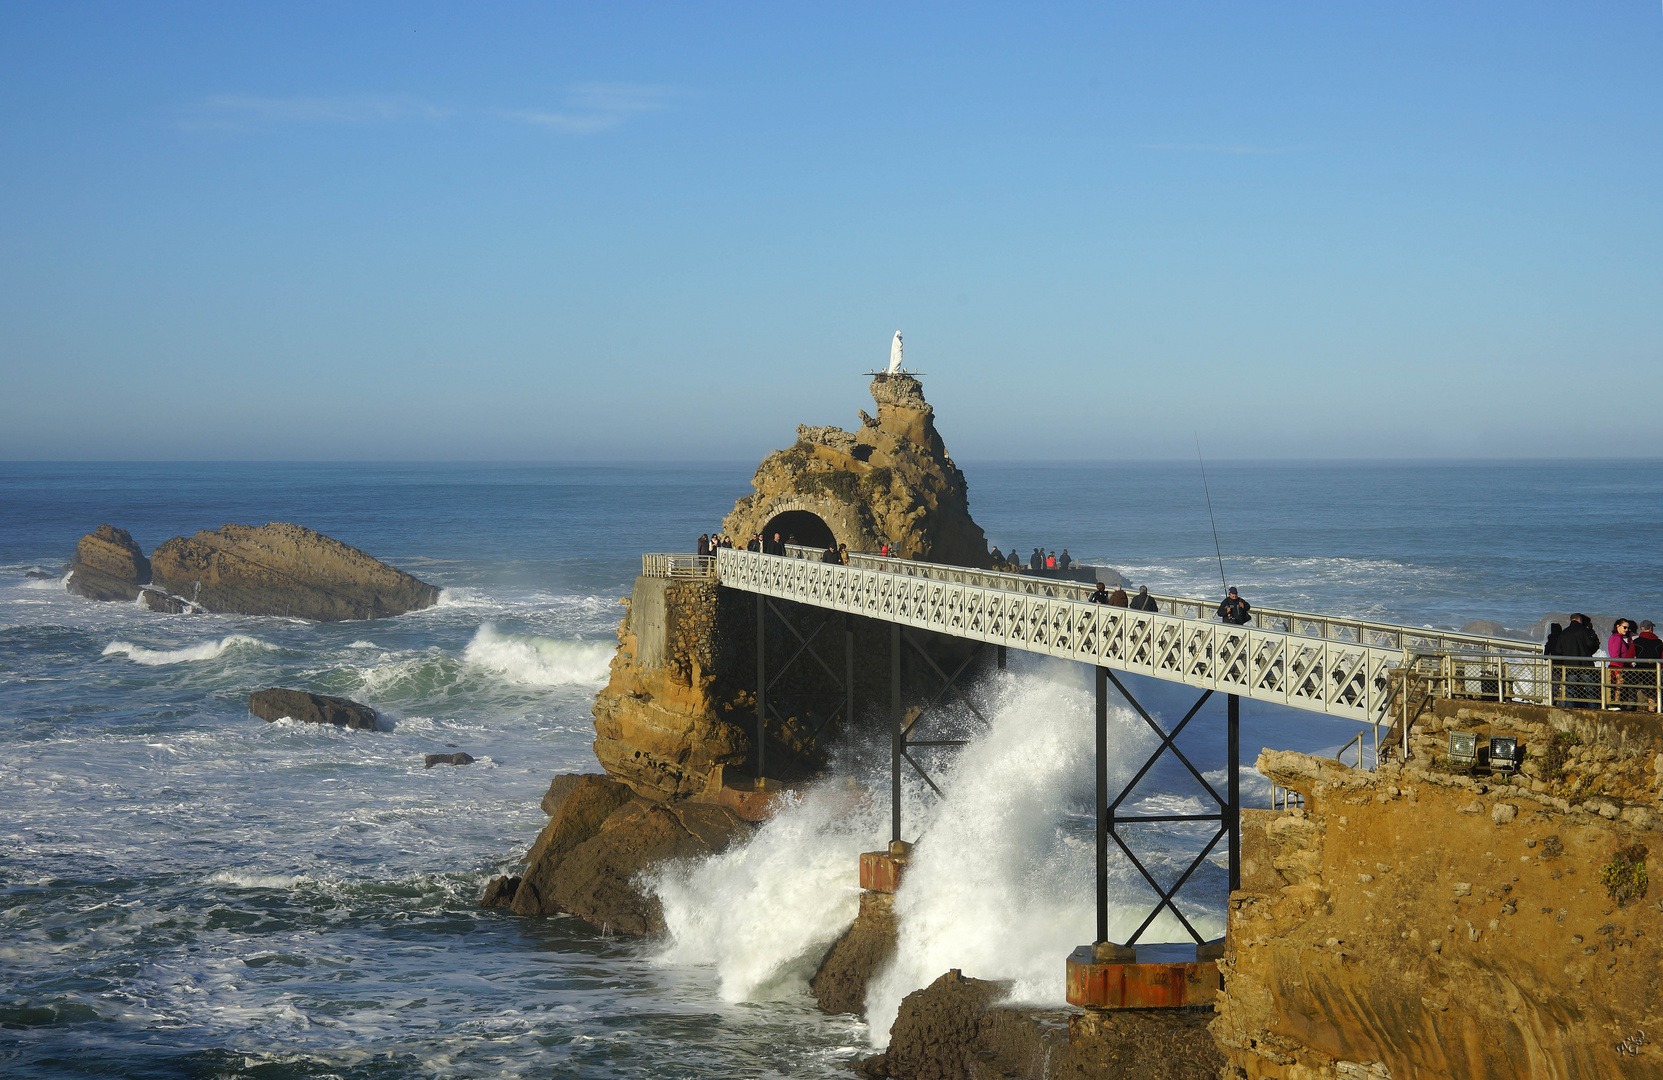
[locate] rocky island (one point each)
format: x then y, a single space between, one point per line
275 569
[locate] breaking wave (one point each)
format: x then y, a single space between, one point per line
206 650
538 661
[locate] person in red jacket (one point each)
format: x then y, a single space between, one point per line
1620 646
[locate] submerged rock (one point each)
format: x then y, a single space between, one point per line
277 703
108 565
281 569
448 759
42 575
499 892
161 602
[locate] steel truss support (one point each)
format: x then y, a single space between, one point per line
845 682
1109 818
902 726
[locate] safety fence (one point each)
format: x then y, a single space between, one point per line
678 566
1303 624
1577 682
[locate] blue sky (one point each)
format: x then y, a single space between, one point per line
546 232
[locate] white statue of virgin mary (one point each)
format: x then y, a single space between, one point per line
895 354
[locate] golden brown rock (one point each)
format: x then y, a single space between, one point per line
892 481
1416 922
108 565
281 569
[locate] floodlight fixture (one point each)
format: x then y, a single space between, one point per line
1504 753
1463 748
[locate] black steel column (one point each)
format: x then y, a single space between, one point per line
1001 649
1102 803
1234 811
848 672
895 735
761 680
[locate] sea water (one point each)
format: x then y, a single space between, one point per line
188 891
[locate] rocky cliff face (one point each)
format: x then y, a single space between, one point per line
891 481
281 569
108 565
1418 922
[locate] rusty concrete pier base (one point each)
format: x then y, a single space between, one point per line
880 871
1110 976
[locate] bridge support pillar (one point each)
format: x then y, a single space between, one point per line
1000 652
761 684
895 733
1107 975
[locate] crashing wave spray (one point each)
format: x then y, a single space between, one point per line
1000 883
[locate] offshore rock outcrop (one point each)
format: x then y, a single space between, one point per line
279 703
891 481
281 569
108 565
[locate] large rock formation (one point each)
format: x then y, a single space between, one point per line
665 721
108 565
891 481
1420 922
280 569
588 859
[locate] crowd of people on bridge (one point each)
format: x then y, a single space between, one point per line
1040 559
1590 674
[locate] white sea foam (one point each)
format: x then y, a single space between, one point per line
250 879
538 661
1000 883
763 913
363 645
206 650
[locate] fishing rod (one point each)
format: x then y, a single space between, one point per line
1216 549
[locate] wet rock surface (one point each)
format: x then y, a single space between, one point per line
840 984
288 570
600 838
108 565
499 892
954 1029
277 703
449 759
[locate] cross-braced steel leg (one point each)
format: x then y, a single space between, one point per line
895 736
1108 816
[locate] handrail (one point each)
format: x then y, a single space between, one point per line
1585 682
1304 624
1358 739
674 565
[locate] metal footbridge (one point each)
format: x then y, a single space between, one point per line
1351 669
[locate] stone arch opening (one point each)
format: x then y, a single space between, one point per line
800 527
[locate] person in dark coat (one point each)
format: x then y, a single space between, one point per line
1647 646
1118 597
1143 601
829 555
1579 639
1235 610
1556 671
1036 561
704 544
1099 595
1063 560
998 557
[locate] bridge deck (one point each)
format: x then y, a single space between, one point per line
1340 667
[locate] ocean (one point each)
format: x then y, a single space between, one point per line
186 891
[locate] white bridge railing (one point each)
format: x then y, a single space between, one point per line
1345 678
1304 624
